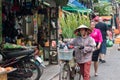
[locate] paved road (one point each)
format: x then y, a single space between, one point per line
109 70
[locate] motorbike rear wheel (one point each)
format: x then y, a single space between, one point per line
26 70
34 69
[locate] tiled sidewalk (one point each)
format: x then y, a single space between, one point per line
50 72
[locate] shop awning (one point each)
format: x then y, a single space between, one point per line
75 6
73 9
75 3
102 1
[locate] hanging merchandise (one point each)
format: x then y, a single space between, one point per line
28 19
35 24
35 3
9 29
15 6
26 7
39 20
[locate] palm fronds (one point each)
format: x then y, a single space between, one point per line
69 22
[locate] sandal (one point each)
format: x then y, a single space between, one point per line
96 74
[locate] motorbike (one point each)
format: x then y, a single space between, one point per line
24 62
38 60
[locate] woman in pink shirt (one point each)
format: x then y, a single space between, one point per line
97 36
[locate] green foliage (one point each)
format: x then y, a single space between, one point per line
103 10
11 46
118 0
83 0
71 21
95 1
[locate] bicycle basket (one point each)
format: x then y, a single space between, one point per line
65 54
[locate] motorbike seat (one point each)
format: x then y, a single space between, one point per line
19 53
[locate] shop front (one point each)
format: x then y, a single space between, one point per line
29 22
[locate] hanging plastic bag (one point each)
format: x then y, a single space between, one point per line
109 43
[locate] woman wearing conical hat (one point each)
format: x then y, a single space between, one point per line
83 53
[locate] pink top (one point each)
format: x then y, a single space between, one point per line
96 35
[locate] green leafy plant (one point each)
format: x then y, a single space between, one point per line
103 9
69 22
95 1
118 0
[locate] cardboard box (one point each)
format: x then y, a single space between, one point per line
3 76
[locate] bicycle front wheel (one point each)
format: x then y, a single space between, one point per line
65 72
77 76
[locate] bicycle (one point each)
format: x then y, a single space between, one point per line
65 56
